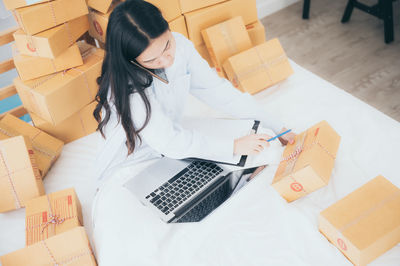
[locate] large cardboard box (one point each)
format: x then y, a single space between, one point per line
179 25
259 67
366 223
53 42
201 19
224 40
69 248
43 16
170 9
256 33
13 4
77 126
98 25
52 214
307 164
191 5
30 67
20 179
202 49
47 148
58 96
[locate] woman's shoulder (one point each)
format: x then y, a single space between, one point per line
182 41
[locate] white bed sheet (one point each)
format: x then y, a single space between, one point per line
256 227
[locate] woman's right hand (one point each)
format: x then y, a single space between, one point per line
251 144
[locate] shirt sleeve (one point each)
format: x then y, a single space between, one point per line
219 93
171 139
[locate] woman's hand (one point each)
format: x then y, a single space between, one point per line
251 144
287 138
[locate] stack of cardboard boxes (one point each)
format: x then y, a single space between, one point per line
57 74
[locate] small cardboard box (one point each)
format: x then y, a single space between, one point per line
30 67
13 4
191 5
170 9
179 25
256 33
102 6
74 127
53 42
20 179
43 16
52 214
259 67
98 25
198 20
366 223
202 49
58 96
307 164
69 248
47 148
224 40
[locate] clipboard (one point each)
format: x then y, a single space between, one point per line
241 161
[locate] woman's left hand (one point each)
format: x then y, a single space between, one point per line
287 138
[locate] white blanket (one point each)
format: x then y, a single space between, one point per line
256 226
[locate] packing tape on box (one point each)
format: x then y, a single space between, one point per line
267 65
10 132
15 53
3 162
87 252
340 238
227 34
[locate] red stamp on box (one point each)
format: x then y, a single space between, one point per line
341 244
30 47
98 27
297 187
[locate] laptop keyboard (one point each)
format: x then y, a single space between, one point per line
180 187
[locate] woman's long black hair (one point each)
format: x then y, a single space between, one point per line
131 27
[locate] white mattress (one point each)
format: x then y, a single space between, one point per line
256 226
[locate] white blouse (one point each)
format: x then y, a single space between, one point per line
190 73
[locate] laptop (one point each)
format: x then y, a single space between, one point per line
181 191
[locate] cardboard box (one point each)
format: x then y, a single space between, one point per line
40 17
74 127
224 40
307 164
20 179
102 6
366 223
256 33
52 214
53 42
47 148
259 67
198 20
98 25
191 5
30 67
170 9
69 248
179 25
202 49
13 4
58 96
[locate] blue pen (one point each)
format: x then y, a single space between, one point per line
279 135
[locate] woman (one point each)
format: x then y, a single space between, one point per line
147 73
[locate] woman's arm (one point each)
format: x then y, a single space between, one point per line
171 139
219 93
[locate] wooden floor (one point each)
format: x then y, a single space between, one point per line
353 56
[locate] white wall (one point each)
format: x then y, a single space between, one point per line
267 7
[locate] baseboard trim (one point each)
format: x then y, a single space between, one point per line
267 7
